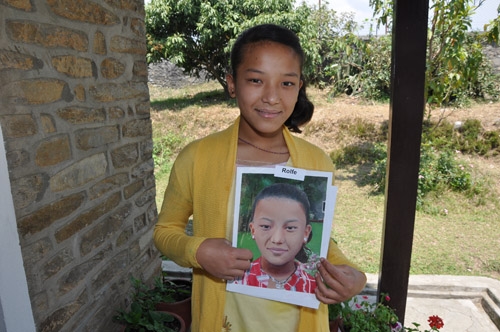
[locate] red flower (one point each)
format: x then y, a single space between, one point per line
387 298
435 322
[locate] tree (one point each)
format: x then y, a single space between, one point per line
197 35
456 66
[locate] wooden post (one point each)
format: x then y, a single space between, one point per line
409 41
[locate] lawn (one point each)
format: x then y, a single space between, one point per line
455 234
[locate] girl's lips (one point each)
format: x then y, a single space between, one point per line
268 113
277 251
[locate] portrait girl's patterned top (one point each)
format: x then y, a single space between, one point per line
299 281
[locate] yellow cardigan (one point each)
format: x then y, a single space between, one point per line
199 186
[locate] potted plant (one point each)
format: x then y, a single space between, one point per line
141 319
174 295
166 295
357 315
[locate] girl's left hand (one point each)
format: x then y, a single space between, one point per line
337 283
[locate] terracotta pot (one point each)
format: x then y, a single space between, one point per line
181 308
336 325
183 327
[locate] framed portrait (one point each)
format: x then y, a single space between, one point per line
284 216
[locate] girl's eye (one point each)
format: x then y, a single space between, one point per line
291 228
288 83
254 80
265 227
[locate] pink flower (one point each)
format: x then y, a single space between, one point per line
387 298
358 305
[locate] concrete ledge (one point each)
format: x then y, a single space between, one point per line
466 294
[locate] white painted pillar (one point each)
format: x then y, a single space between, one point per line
16 314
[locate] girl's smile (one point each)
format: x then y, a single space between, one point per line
266 86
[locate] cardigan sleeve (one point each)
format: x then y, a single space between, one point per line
170 231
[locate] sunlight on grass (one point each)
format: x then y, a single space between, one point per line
454 235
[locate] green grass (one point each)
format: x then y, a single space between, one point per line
454 234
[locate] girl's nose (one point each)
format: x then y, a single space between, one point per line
271 96
278 236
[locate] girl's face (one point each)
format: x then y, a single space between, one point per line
280 229
266 87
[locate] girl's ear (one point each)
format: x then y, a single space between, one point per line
307 232
252 230
231 86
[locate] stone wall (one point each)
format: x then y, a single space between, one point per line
74 111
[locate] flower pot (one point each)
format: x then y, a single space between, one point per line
336 325
182 307
178 326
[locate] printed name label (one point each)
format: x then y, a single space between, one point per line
289 173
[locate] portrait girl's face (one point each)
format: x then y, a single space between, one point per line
266 87
280 229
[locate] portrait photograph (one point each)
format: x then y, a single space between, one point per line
283 215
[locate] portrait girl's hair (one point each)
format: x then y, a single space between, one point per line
304 109
288 191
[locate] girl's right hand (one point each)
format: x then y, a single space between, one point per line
220 259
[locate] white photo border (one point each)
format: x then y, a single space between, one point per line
297 298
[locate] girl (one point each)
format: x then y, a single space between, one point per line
280 226
266 80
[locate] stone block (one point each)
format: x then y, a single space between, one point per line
80 173
87 139
140 70
46 215
80 93
117 265
29 189
53 151
121 44
57 319
105 229
24 5
48 124
137 128
143 108
99 44
145 197
17 158
75 66
36 91
47 35
132 189
82 115
110 183
138 27
16 126
57 263
86 219
16 60
112 68
116 113
143 170
124 236
84 11
125 156
108 92
78 273
35 252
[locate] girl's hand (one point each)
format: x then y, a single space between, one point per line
220 259
337 283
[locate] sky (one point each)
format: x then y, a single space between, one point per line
362 11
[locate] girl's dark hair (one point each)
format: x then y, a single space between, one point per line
289 191
303 111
